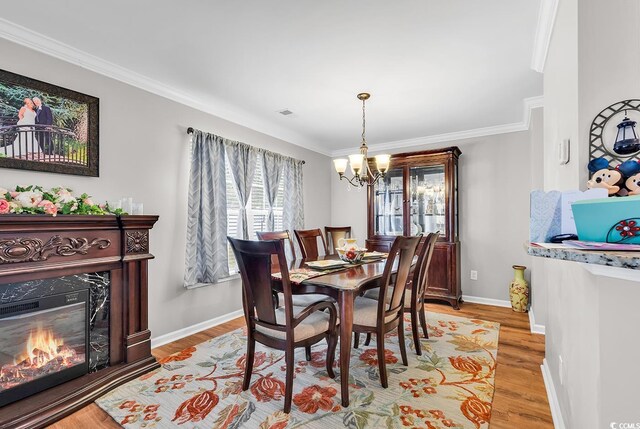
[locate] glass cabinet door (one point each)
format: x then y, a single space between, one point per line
427 206
388 204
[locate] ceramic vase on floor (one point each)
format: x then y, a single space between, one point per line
519 290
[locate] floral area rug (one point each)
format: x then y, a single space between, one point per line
450 386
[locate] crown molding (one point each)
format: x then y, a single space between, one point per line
46 45
528 103
546 19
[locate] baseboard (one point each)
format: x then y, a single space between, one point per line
190 330
535 328
486 301
554 404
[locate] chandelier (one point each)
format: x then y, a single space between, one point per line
362 174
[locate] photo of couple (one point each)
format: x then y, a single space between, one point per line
32 142
45 127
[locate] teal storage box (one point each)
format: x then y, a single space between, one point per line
610 220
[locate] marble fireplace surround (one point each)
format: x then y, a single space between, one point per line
108 255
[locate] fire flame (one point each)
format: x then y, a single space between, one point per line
43 354
42 346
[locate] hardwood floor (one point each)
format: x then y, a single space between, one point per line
520 399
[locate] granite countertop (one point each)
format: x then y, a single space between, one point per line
629 260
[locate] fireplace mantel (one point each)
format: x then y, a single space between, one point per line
34 247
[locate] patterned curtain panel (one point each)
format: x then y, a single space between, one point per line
242 160
293 213
272 164
206 253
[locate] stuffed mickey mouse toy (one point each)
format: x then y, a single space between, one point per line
613 179
607 179
633 184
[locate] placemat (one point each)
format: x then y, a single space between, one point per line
298 275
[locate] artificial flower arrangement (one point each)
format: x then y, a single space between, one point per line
35 199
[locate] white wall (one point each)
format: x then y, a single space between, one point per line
538 291
571 334
592 320
609 64
495 179
619 320
608 32
561 101
144 153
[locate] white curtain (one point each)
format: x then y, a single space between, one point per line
206 254
242 160
272 164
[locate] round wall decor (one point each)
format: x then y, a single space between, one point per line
604 129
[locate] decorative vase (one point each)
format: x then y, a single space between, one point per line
519 290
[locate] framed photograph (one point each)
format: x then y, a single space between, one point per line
44 127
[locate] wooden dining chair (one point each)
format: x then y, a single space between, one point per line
381 316
298 300
285 328
415 290
277 235
334 234
308 241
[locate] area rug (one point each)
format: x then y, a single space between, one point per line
450 386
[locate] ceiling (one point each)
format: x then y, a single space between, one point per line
433 67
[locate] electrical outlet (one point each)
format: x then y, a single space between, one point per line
561 369
474 275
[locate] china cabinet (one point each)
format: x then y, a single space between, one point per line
419 195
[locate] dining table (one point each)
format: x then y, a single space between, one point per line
343 284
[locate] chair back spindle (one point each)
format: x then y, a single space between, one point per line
402 252
308 241
334 234
420 275
277 235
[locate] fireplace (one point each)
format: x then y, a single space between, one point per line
44 342
73 312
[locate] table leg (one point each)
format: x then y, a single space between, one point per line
345 301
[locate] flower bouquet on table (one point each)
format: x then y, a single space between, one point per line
35 199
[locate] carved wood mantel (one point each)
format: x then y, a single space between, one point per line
37 247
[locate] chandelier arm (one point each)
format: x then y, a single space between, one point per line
376 178
354 181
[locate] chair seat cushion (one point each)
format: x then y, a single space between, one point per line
316 323
373 294
303 300
365 312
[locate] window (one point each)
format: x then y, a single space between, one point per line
205 260
257 209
